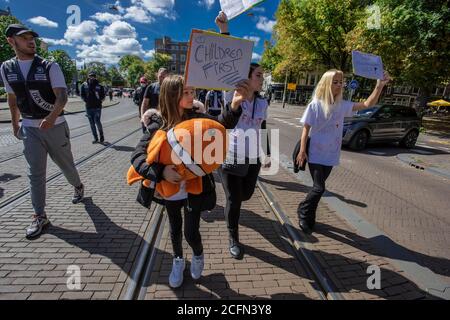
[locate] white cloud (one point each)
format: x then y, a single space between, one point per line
55 42
138 14
265 24
43 22
157 7
253 38
149 54
85 32
119 30
106 17
256 56
144 39
207 3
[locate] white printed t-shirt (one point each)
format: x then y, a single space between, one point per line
326 134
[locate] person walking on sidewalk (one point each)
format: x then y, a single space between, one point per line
151 96
240 175
93 94
138 97
176 105
37 92
323 122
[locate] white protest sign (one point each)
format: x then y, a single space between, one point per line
216 61
367 65
233 8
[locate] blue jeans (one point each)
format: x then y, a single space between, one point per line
94 116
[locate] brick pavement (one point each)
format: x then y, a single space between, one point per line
14 172
343 254
409 205
268 270
102 236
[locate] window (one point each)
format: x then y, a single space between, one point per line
174 57
174 47
173 68
386 113
183 58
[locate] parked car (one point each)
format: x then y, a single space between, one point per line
382 123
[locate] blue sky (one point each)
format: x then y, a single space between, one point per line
105 34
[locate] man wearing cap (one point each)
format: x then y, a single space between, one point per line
93 94
139 97
37 92
151 96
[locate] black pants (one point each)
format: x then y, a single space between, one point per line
238 189
308 207
191 227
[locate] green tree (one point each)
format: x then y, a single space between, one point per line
270 60
132 68
159 60
6 52
68 66
414 42
116 79
313 34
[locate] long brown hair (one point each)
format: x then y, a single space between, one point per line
170 95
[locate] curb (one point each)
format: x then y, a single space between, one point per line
400 257
69 113
433 170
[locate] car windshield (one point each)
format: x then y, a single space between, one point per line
366 112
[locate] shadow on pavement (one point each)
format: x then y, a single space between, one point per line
109 240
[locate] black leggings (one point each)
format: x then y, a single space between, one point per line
308 207
191 227
238 189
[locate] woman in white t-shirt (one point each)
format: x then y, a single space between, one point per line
323 122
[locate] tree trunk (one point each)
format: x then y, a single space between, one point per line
421 101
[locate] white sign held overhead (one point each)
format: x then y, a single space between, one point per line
233 8
216 61
367 65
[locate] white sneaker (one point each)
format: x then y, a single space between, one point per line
176 276
197 265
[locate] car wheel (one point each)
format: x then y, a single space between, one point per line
359 141
409 141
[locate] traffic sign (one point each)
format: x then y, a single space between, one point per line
354 84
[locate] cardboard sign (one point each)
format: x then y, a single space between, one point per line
367 65
233 8
292 86
216 61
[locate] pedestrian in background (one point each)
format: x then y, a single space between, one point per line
93 94
151 95
214 102
138 97
323 122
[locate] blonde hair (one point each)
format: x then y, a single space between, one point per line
323 92
170 95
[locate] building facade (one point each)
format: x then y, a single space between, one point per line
177 50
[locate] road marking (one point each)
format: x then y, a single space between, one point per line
432 147
377 153
422 152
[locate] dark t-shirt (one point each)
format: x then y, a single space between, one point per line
152 93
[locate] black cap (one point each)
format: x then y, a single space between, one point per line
18 29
